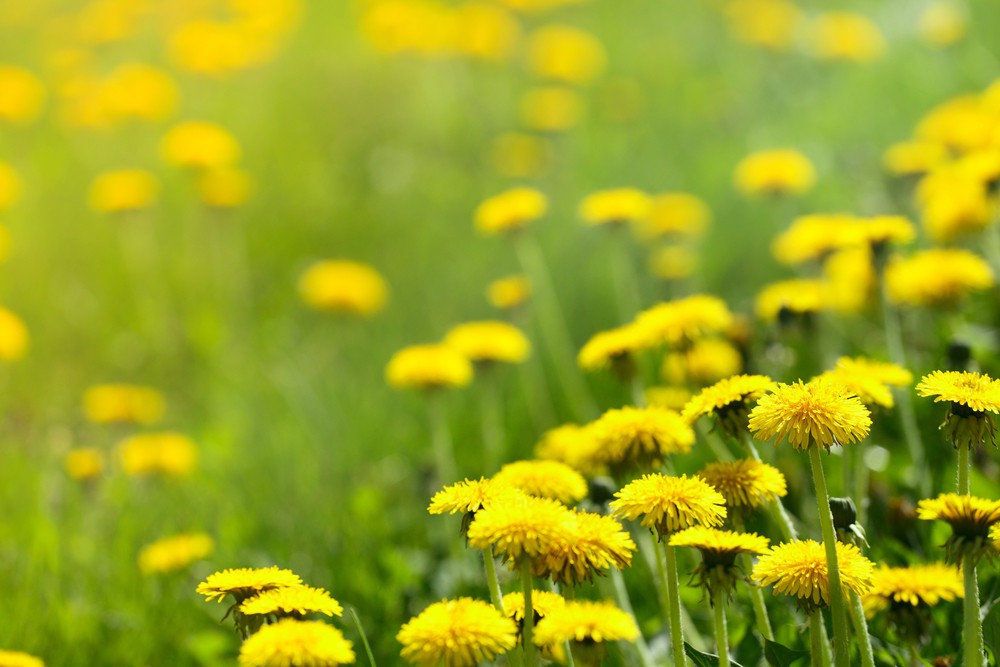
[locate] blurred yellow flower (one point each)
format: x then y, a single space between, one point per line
818 413
220 47
813 237
19 659
545 479
640 437
174 553
224 187
109 403
108 21
952 204
123 190
669 504
22 95
456 633
883 229
199 145
914 157
489 341
344 286
10 186
573 445
613 348
510 210
292 601
551 109
136 90
675 213
591 544
169 453
964 123
746 484
520 155
485 31
615 207
902 588
428 367
682 321
508 292
293 642
542 602
673 262
775 172
586 622
936 277
565 54
971 519
14 337
798 296
846 36
799 569
942 24
84 462
772 24
850 279
711 359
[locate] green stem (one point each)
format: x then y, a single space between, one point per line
759 608
721 633
635 384
530 658
674 600
496 595
777 509
915 660
625 281
972 636
625 603
491 410
364 637
842 656
963 469
860 490
864 641
444 452
819 647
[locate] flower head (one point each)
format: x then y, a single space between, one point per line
509 292
428 367
746 484
971 520
591 543
112 403
23 95
972 397
573 445
291 601
814 237
846 36
542 602
719 549
467 496
246 582
174 553
165 452
728 401
200 145
869 380
84 462
520 526
546 479
640 436
490 341
914 157
585 621
123 190
668 504
14 337
709 360
344 286
799 569
682 321
775 172
510 210
817 414
614 347
19 659
913 586
615 206
10 186
456 633
565 54
937 277
800 296
294 642
675 213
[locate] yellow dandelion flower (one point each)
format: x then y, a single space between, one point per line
520 525
224 187
942 24
19 659
485 31
675 213
585 621
671 398
669 504
123 190
542 602
551 109
111 403
913 158
640 437
775 172
468 496
294 642
200 145
84 463
292 601
971 519
428 367
489 341
615 207
814 237
913 586
168 453
509 292
953 205
728 400
771 24
573 445
850 278
680 322
717 571
14 337
869 379
565 54
712 359
10 186
810 414
976 391
800 296
137 90
246 582
591 544
174 553
545 479
614 347
510 210
23 95
673 262
343 286
746 484
846 36
936 277
799 569
456 633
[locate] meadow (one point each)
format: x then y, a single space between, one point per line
175 362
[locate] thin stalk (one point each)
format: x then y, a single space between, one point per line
863 641
721 633
759 607
625 603
972 636
914 653
635 385
842 647
777 509
818 645
860 490
496 595
444 452
963 469
530 657
674 600
570 662
491 419
625 280
364 637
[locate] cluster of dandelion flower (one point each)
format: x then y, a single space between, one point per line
729 402
972 397
907 594
456 633
799 569
971 520
242 584
718 573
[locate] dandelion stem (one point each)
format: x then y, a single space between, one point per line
915 660
625 281
817 640
759 608
861 630
530 659
777 509
721 633
444 452
673 595
963 469
622 597
841 653
364 637
972 636
491 409
496 595
635 384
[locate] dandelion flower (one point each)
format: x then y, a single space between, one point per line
668 396
174 553
712 359
913 586
799 569
542 602
113 403
717 571
640 437
771 24
846 36
14 337
972 396
971 520
10 186
510 210
23 95
545 479
200 145
728 401
817 414
616 206
19 659
775 172
84 463
573 445
139 91
292 601
551 109
675 213
565 54
428 367
613 347
224 187
520 525
682 321
467 496
293 642
746 484
456 633
344 286
489 341
585 621
937 277
166 452
669 504
509 292
801 296
246 582
909 158
942 24
591 544
123 190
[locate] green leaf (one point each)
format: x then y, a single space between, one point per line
991 630
779 655
705 659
